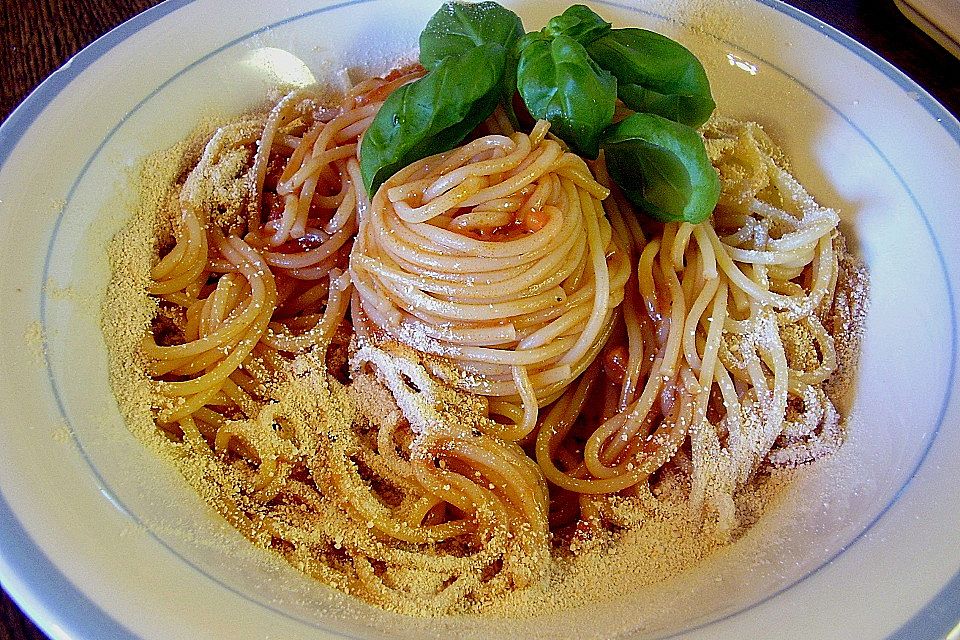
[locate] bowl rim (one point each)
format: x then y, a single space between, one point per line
29 576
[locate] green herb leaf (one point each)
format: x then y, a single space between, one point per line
655 75
560 83
457 27
578 22
432 114
662 167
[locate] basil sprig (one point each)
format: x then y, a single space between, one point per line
578 22
655 75
466 49
433 114
457 28
663 167
560 83
570 73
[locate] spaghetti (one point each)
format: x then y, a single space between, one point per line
424 397
730 342
498 257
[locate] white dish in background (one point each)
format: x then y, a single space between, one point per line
939 19
99 539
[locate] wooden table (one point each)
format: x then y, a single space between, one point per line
37 36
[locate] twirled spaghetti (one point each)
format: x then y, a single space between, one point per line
424 397
496 256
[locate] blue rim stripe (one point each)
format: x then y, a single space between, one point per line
931 105
75 615
100 480
23 116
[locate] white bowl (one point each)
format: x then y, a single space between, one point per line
101 540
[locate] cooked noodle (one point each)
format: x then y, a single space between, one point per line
520 346
498 257
717 298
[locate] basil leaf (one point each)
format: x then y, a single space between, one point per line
578 22
560 83
662 167
655 75
432 114
457 27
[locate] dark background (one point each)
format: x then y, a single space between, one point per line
38 36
